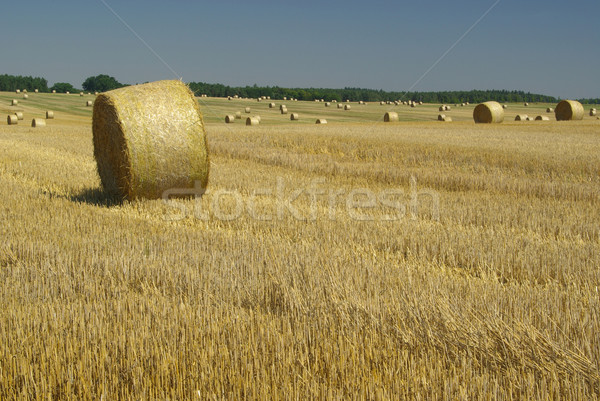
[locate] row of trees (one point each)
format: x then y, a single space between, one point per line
103 82
99 83
369 95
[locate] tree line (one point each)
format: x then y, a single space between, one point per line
103 82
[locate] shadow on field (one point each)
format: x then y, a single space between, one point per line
97 197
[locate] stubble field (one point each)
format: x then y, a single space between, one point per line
355 260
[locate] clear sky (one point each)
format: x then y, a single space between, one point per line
549 47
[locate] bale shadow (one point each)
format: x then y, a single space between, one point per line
97 197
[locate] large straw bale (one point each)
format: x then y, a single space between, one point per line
12 119
49 115
252 121
294 117
569 110
488 112
19 115
38 122
149 138
390 116
321 121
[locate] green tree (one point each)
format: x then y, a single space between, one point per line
63 87
101 83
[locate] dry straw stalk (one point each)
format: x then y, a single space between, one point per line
149 138
488 112
569 110
390 116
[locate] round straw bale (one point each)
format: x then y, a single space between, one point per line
229 118
283 110
521 117
149 138
361 102
89 103
390 116
413 105
12 119
448 108
36 91
81 94
95 93
257 117
238 115
285 98
327 104
294 117
504 106
542 118
53 90
441 117
68 93
569 110
382 103
347 107
14 102
268 97
252 121
19 115
549 110
530 118
49 115
321 121
38 122
488 112
282 107
592 112
247 109
340 106
466 103
447 119
420 102
334 101
525 104
259 100
25 96
18 91
271 105
442 108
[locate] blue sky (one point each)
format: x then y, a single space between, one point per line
547 47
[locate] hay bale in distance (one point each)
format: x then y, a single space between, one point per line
36 90
81 94
488 112
592 112
441 117
569 110
149 138
257 117
321 121
504 106
390 116
294 117
327 104
12 119
271 105
14 102
340 106
542 118
19 115
529 118
53 90
549 110
283 110
521 117
89 103
25 96
447 119
442 108
229 118
49 115
347 107
252 121
38 122
525 104
238 115
247 110
18 91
